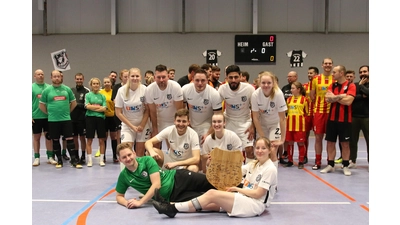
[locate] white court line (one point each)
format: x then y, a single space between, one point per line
311 203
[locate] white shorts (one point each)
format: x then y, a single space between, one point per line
240 127
128 135
272 131
244 206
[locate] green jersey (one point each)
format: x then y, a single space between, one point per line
57 101
95 99
37 90
140 179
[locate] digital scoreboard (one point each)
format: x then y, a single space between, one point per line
255 48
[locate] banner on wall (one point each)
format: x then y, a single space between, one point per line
60 60
296 58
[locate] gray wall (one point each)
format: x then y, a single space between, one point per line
105 35
98 54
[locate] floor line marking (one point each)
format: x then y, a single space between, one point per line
365 207
330 185
91 203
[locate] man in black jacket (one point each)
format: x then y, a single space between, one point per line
360 115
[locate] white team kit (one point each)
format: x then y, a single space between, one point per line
268 110
201 106
164 101
230 141
263 176
133 108
237 109
180 146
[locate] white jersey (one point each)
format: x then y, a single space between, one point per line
180 147
237 103
201 105
268 108
132 106
164 100
230 141
264 176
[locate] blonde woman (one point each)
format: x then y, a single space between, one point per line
251 200
130 108
268 108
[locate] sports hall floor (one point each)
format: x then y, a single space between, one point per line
87 196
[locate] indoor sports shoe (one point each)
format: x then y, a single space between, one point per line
36 162
327 169
97 153
65 157
51 161
78 166
300 166
339 160
158 197
305 161
288 164
89 163
102 163
346 171
165 208
59 164
316 167
352 165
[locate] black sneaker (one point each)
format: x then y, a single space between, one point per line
158 197
115 160
82 161
288 164
65 157
284 155
300 166
305 161
165 208
282 161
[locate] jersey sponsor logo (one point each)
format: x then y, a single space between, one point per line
59 98
162 105
234 107
134 108
177 153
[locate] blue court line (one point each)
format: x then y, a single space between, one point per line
89 204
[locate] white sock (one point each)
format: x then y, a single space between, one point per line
182 206
89 157
101 157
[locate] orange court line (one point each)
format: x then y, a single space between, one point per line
330 185
365 207
82 218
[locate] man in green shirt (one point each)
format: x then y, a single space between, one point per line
57 101
144 175
39 120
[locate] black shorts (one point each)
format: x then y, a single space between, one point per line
64 128
79 128
335 129
117 122
110 124
189 185
40 126
94 125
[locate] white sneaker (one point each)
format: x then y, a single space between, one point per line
346 171
36 162
51 161
102 163
89 163
352 165
327 169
